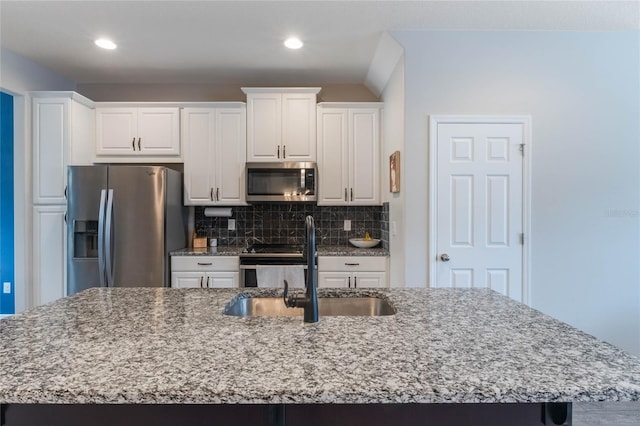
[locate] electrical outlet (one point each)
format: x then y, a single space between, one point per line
347 225
6 287
231 225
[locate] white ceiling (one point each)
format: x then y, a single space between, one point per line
240 42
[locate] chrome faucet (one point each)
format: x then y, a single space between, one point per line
309 302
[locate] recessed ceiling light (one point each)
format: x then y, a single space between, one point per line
105 43
293 43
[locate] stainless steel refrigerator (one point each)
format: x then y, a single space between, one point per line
122 222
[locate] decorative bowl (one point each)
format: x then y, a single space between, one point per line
362 243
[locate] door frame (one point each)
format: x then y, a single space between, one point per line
525 121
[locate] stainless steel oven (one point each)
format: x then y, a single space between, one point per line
268 255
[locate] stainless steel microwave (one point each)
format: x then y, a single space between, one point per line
286 181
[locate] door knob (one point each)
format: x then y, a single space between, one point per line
445 257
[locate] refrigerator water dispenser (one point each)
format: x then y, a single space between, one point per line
85 236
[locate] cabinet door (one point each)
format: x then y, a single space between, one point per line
223 279
334 279
230 154
369 280
298 127
116 131
158 131
365 156
264 127
50 144
49 248
198 131
188 279
333 157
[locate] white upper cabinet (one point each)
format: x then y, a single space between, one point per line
214 154
63 132
138 131
281 124
349 154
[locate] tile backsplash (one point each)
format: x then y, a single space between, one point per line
282 223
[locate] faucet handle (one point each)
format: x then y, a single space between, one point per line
287 302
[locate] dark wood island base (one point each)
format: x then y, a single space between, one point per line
522 414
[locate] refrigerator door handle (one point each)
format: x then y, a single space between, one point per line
109 243
101 269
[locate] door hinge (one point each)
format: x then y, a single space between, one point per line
521 148
522 239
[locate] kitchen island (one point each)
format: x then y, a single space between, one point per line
464 349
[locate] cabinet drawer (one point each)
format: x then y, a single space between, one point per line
205 263
352 263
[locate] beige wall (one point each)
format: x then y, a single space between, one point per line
206 93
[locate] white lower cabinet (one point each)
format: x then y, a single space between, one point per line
353 271
49 248
205 271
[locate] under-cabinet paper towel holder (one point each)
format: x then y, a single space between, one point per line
217 212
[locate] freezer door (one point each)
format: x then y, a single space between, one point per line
138 237
84 184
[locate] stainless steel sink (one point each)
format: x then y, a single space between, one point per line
327 306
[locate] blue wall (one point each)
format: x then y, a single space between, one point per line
7 301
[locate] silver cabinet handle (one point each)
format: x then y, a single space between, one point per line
204 263
445 257
133 144
139 148
352 264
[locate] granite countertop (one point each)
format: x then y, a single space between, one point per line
146 345
320 250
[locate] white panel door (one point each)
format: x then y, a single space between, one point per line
298 127
369 280
199 154
159 131
222 279
231 148
188 280
50 144
479 206
264 126
49 248
116 131
334 279
365 157
333 157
